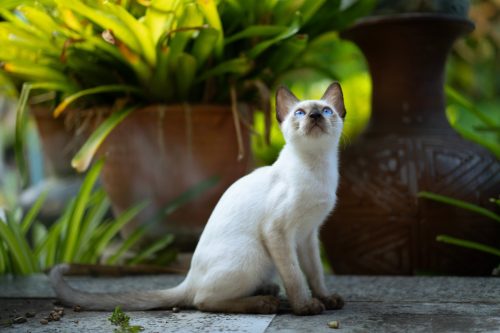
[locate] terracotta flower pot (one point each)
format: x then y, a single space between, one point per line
379 225
59 140
159 152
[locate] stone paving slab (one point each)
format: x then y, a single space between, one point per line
373 304
152 321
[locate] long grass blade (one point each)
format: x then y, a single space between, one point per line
468 244
30 216
455 97
15 247
99 206
131 240
115 226
75 220
151 250
461 204
3 257
20 133
48 246
39 234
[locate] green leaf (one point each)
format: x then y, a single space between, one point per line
75 220
204 45
105 21
9 232
22 121
455 97
20 134
152 249
115 226
239 66
82 159
98 207
184 74
287 53
92 91
472 128
160 16
209 9
262 46
131 240
33 72
468 244
29 218
190 22
140 32
461 204
39 234
3 257
39 19
256 31
184 198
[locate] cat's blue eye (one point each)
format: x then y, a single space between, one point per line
299 113
327 111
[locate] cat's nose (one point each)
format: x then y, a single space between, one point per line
315 115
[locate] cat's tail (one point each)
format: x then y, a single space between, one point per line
135 300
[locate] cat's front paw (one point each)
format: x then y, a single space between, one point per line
332 302
311 307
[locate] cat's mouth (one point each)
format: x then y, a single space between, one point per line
315 128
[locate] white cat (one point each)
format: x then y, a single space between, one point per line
266 221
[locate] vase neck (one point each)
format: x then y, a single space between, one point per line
406 55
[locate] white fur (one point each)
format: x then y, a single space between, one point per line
265 221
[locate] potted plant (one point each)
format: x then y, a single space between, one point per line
161 84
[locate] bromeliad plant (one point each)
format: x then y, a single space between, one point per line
159 51
81 234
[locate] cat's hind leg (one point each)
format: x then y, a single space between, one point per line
270 288
253 304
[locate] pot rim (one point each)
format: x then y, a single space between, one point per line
46 111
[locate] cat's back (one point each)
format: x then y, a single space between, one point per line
249 191
240 208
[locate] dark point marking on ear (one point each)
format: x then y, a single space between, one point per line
285 100
333 95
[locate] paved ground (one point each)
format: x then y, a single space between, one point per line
373 304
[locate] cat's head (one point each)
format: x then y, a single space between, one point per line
307 120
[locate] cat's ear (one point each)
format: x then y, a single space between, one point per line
285 100
333 95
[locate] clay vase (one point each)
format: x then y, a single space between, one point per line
159 152
379 225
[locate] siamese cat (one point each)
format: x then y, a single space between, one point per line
265 222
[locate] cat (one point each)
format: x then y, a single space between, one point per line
266 221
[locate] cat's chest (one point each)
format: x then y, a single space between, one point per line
312 197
